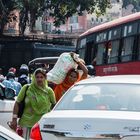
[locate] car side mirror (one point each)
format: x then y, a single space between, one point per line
10 93
91 70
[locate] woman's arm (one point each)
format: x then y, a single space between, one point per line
81 64
20 97
83 68
13 123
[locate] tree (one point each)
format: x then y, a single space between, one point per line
6 7
60 10
29 11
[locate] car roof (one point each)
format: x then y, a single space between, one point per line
45 60
129 79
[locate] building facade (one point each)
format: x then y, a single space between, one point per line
75 24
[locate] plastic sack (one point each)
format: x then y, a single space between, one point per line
60 69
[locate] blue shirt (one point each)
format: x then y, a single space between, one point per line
15 85
7 84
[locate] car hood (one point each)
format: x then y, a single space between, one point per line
91 123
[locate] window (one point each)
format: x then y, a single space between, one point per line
2 138
123 97
90 52
101 49
101 37
127 49
48 27
82 53
101 20
138 49
130 29
82 48
93 54
114 51
74 19
114 34
83 43
90 38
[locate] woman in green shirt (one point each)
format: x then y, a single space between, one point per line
38 101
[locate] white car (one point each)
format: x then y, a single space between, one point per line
6 134
7 101
100 108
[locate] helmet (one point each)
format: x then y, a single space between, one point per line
91 69
23 69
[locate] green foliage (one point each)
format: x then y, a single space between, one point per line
62 9
30 10
6 6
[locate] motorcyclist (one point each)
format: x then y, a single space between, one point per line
23 77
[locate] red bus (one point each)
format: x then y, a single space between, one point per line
114 46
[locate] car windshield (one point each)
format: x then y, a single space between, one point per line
102 97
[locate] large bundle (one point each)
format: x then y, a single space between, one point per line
60 69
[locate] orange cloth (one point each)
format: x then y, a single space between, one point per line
60 89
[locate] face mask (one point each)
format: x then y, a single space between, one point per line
11 79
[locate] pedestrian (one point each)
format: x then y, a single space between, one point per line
23 76
12 69
38 101
5 82
71 78
15 85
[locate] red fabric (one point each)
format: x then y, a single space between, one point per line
19 131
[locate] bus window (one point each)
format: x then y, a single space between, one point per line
113 51
90 52
138 52
82 53
93 54
101 50
127 49
82 48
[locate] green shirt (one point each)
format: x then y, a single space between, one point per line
32 113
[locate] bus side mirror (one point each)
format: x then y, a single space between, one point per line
91 70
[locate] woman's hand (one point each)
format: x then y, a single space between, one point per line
13 124
75 57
